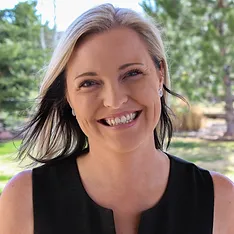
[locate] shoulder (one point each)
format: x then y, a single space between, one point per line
222 184
16 210
193 173
224 203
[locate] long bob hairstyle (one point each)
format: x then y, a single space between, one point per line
53 132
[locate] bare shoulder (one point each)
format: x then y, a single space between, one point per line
223 187
16 210
224 204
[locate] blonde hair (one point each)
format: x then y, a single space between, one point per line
46 131
100 19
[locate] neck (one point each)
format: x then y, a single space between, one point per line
125 182
142 164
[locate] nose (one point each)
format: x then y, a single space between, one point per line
114 96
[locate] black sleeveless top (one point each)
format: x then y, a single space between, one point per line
62 206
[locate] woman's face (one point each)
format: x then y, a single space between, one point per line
112 85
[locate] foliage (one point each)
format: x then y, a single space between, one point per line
21 55
195 43
187 118
200 41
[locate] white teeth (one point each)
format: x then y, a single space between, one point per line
121 120
117 120
108 121
133 115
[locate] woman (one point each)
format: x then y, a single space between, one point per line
104 169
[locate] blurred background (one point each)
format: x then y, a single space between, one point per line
199 40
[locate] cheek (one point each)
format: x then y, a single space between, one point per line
148 96
146 91
85 107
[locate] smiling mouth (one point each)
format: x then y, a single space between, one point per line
124 119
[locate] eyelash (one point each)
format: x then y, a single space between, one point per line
126 75
82 85
136 71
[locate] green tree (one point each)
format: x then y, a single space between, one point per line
200 41
21 55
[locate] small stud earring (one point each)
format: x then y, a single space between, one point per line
160 92
73 113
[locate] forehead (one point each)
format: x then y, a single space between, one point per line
113 45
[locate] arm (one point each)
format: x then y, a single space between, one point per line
16 210
224 204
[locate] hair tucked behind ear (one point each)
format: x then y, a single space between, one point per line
52 131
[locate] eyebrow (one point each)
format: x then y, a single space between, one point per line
120 68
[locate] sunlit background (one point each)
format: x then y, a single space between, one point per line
66 11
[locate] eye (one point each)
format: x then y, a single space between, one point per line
133 73
87 84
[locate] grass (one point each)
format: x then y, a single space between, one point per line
8 165
211 155
216 156
9 147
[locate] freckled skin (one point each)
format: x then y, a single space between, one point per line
113 90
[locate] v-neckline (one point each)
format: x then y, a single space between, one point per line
107 215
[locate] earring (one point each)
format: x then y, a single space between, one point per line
160 92
73 113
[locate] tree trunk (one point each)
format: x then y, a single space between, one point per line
229 104
229 110
42 38
55 25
